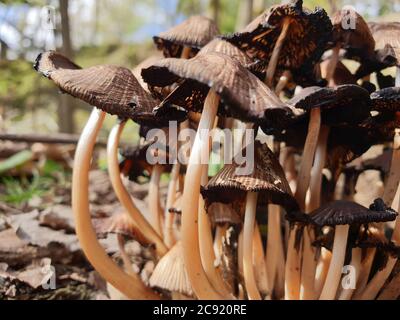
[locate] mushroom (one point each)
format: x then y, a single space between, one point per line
267 183
286 36
185 39
243 96
341 214
111 92
170 273
357 40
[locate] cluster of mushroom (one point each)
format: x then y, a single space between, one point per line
282 75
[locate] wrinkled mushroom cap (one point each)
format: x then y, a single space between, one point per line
359 42
170 273
267 178
341 105
387 35
242 94
386 100
195 32
221 213
343 212
122 224
306 39
113 89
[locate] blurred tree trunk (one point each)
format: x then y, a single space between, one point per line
245 14
3 50
215 6
332 6
66 105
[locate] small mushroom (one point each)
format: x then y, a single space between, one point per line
187 38
266 184
342 214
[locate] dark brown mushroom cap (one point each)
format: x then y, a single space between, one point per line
386 100
267 178
305 43
345 104
110 88
387 34
242 94
135 165
195 32
343 212
359 42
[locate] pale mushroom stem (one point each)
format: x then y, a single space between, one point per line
333 61
169 236
274 244
131 286
293 260
220 231
303 178
391 290
309 263
364 273
206 246
293 266
154 198
248 230
394 173
123 195
322 270
272 64
283 81
190 204
346 294
259 263
335 268
124 256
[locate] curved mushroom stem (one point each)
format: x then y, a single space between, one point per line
283 81
129 285
391 290
394 173
309 263
364 273
169 236
206 247
190 204
303 178
123 195
274 244
322 270
346 294
124 255
154 198
335 268
248 230
259 263
275 53
293 265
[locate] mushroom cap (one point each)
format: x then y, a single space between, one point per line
386 100
267 178
170 272
387 34
221 213
195 32
113 89
120 223
306 39
359 42
344 104
342 212
242 94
